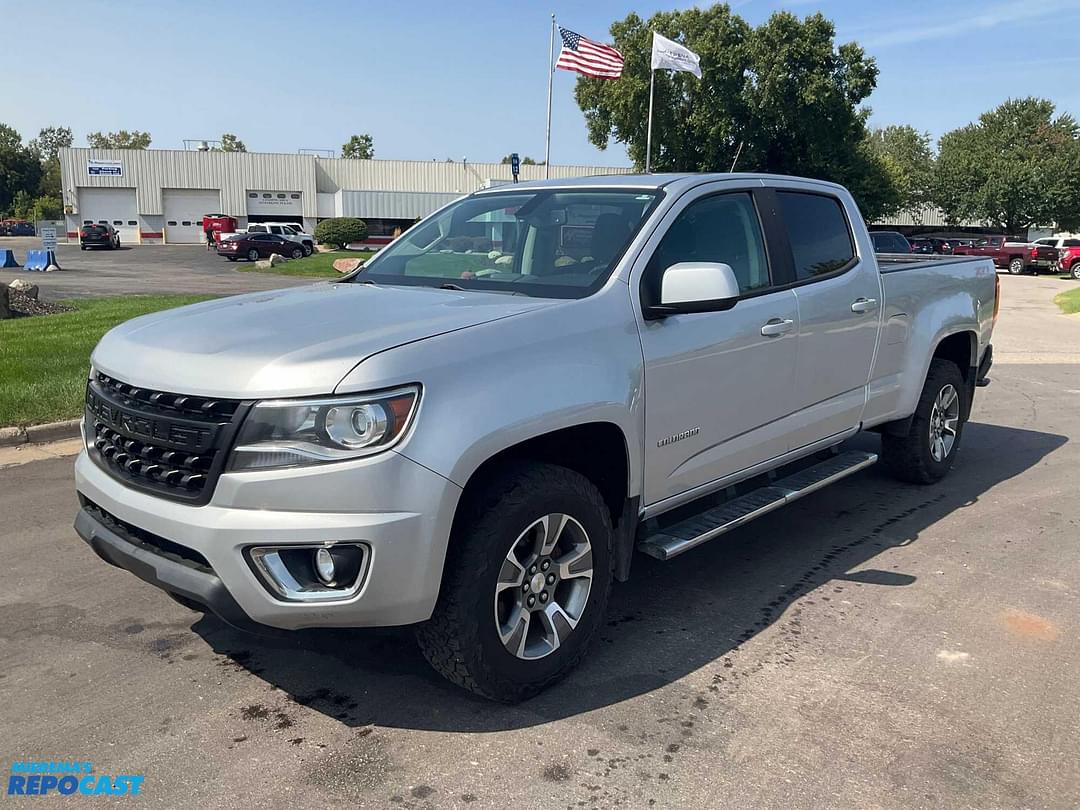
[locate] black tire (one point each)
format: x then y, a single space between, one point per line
296 253
82 247
909 457
1074 271
461 640
1016 266
253 255
308 250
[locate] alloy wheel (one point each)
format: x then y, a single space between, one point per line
944 423
543 586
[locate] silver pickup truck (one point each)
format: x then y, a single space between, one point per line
478 442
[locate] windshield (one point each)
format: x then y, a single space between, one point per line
558 244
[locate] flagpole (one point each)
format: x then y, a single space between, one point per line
551 77
648 135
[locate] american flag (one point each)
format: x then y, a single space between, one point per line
582 55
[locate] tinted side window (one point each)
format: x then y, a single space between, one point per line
818 231
1071 243
723 228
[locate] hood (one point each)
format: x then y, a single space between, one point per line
295 342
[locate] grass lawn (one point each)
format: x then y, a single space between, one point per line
317 265
44 359
1069 301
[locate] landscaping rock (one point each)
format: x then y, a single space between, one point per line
20 284
505 260
19 303
10 436
276 259
263 264
494 254
347 265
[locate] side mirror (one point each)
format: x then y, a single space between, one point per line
695 287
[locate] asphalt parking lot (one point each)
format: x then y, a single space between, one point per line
876 645
140 270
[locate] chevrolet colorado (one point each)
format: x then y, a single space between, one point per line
477 443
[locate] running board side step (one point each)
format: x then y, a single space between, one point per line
704 526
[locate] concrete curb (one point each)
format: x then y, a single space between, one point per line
51 432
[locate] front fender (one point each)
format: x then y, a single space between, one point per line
489 387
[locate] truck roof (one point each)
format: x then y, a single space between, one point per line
682 180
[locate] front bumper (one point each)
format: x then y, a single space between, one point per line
400 511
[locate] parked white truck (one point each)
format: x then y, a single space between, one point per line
477 443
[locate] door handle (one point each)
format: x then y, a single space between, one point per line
777 326
864 305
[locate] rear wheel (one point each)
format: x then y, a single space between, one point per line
1075 270
528 576
253 255
1016 265
926 452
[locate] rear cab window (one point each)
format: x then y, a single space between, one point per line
819 233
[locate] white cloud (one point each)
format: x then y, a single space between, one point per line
960 24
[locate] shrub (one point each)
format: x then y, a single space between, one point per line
340 231
481 244
459 244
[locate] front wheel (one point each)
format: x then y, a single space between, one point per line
307 249
528 575
926 452
1016 265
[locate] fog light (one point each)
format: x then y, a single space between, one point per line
324 566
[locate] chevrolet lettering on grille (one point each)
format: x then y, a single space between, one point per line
176 434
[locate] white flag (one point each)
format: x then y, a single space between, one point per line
668 55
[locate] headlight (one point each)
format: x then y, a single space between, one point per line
294 432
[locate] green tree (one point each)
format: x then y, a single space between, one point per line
1017 166
230 143
782 97
119 140
340 231
49 141
359 147
20 170
909 161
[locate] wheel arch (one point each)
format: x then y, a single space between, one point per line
597 450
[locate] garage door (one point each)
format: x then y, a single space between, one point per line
184 209
112 206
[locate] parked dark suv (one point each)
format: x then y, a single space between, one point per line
99 236
889 242
254 246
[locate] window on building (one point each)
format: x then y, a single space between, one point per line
294 196
132 222
253 195
171 222
819 233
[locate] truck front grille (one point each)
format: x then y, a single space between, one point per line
173 445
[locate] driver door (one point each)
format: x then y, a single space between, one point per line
717 384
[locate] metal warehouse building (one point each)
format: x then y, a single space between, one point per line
160 195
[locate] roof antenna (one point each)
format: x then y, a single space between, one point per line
736 160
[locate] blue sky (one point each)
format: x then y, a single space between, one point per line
438 79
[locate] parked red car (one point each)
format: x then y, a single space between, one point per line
1012 254
254 246
1070 257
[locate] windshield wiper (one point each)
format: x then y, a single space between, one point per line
449 286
